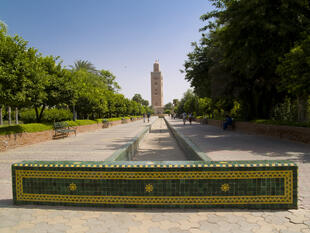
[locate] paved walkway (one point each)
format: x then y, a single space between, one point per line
92 146
218 144
230 145
159 145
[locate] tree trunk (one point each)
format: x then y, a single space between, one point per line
37 113
9 113
16 116
74 113
41 113
1 116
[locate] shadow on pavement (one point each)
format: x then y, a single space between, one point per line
8 203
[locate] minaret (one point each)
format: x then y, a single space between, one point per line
157 89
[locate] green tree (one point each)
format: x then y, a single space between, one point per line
168 108
138 98
109 79
294 71
238 57
17 65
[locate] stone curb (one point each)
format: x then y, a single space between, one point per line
127 151
192 150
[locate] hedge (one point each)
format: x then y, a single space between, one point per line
284 123
38 127
29 128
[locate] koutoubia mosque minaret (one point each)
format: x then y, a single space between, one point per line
157 89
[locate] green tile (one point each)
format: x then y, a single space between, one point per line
196 185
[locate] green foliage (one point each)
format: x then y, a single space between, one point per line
286 111
82 122
282 122
84 65
237 59
38 127
29 128
114 119
49 115
294 70
109 79
236 111
30 80
138 98
206 107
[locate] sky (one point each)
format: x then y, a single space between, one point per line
122 36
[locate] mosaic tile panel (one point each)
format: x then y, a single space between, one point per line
192 184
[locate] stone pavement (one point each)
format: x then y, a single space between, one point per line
91 146
230 145
218 144
159 145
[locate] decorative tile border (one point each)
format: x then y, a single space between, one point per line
240 184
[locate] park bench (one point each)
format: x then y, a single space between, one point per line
63 129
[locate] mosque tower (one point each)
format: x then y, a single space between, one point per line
157 89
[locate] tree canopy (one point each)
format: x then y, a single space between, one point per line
249 51
30 80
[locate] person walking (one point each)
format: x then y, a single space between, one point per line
190 118
144 117
184 117
148 117
228 121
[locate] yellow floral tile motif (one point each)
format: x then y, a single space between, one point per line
149 188
286 198
72 187
225 187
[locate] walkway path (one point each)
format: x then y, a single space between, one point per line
91 146
159 145
218 144
229 145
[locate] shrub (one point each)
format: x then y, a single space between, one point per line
29 128
114 119
82 122
28 116
286 123
49 115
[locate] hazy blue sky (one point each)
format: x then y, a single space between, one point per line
123 36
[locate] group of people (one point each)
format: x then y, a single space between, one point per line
148 115
184 117
228 120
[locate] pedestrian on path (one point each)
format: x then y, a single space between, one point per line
148 117
144 117
228 121
184 117
190 118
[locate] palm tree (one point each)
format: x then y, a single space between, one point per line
85 65
3 26
82 65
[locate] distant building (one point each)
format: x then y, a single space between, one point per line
157 89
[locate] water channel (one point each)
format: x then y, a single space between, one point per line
159 145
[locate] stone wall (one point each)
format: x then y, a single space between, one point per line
300 134
21 139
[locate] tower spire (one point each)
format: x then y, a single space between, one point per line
157 88
156 66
